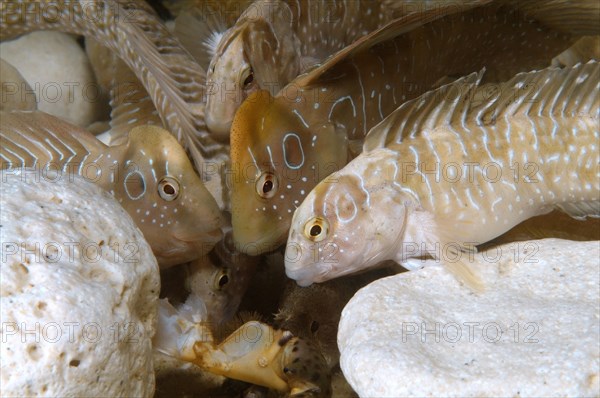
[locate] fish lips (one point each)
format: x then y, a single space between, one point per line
305 273
185 248
256 244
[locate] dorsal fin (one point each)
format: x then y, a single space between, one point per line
36 138
394 28
200 33
426 111
549 92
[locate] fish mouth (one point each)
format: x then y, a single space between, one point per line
299 275
256 244
305 274
219 126
188 248
212 235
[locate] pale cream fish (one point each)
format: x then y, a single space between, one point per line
255 353
532 147
170 75
150 175
282 146
272 42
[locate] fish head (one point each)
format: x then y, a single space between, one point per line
305 369
229 80
277 159
176 213
221 279
344 226
259 52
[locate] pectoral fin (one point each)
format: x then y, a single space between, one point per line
463 272
581 210
304 387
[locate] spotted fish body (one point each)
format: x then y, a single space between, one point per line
272 42
282 146
169 74
454 169
150 175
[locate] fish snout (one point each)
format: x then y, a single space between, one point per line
297 264
219 123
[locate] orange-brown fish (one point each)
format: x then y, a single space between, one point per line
150 175
282 146
169 74
444 173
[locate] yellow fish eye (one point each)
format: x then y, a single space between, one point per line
221 279
168 188
316 229
267 185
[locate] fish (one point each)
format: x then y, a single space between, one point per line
150 176
130 103
282 146
443 174
255 353
170 75
272 42
221 279
132 106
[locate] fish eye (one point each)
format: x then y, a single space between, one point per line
266 185
221 279
316 229
168 188
314 327
249 77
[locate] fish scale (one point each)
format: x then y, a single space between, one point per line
131 29
539 132
315 125
180 225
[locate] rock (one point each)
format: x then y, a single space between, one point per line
16 93
533 332
78 292
60 75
